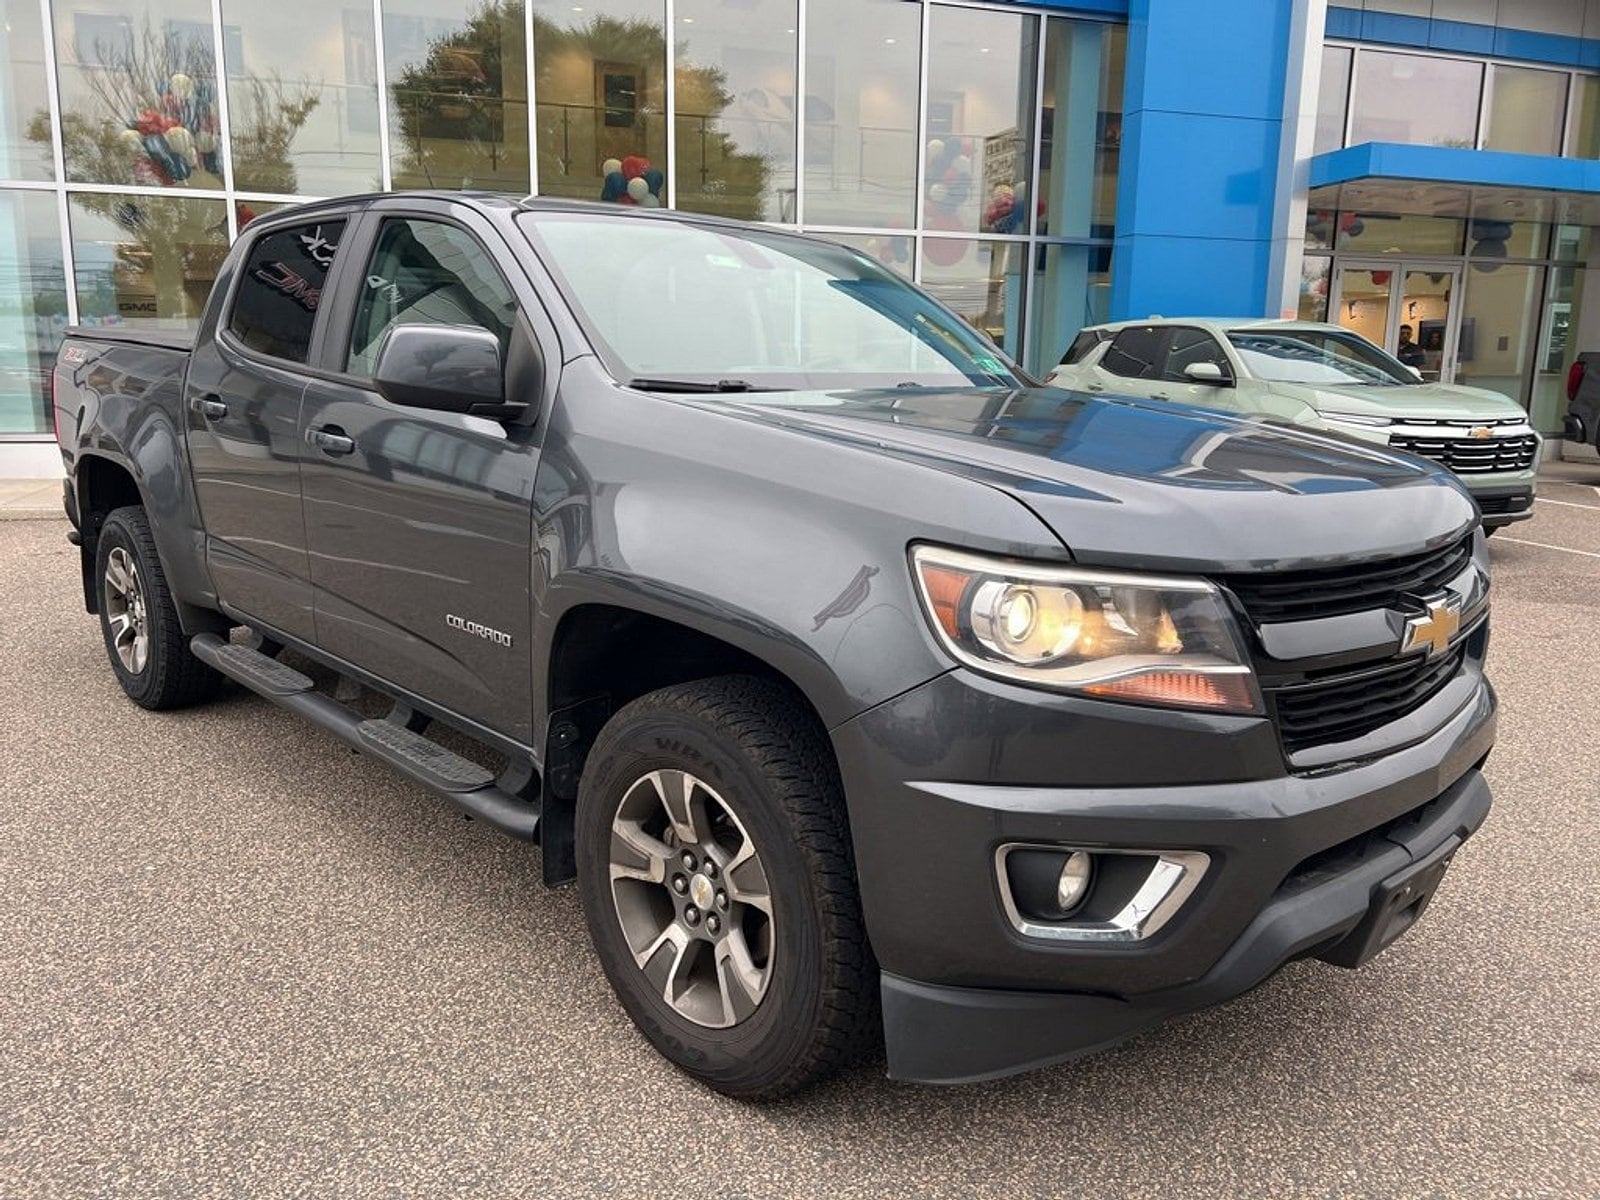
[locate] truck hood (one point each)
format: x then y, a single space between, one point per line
1436 401
1148 484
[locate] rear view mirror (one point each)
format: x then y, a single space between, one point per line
1208 372
447 368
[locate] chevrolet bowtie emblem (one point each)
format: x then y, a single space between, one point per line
1435 631
1481 432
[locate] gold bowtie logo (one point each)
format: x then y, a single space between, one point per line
1435 631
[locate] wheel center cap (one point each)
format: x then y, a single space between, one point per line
701 891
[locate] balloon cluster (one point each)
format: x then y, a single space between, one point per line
1319 224
632 180
170 141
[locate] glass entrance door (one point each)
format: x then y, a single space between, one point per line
1411 309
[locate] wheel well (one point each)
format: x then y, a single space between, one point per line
103 486
603 657
600 649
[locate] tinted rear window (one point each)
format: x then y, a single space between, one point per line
1082 344
275 307
1136 353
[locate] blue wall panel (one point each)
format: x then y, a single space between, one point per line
1463 37
1203 116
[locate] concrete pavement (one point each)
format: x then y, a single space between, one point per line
237 959
27 499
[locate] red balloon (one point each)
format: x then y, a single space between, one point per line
634 166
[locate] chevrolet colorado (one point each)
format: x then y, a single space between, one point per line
871 695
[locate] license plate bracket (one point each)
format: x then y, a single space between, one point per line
1397 904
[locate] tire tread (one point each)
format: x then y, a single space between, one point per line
786 745
177 678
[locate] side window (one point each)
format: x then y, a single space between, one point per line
1189 346
427 273
1136 353
1081 345
275 306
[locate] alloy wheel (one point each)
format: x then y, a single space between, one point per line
126 612
692 898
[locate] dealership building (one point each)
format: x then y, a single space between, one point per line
1039 166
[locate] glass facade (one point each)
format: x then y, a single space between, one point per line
33 307
1415 98
972 148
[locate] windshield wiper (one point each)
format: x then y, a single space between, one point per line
648 384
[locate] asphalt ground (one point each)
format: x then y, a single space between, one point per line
237 959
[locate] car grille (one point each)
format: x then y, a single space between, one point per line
1331 592
1472 456
1352 705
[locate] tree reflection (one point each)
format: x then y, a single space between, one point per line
146 114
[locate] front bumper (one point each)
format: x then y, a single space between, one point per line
1295 858
1502 503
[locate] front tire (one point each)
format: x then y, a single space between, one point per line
139 619
716 876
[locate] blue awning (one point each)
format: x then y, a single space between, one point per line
1447 181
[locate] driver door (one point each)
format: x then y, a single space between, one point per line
419 523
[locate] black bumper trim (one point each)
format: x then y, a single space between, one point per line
940 1034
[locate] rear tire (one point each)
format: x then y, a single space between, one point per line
715 870
139 620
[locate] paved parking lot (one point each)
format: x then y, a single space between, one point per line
237 959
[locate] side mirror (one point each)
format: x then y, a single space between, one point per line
1208 372
447 368
1416 374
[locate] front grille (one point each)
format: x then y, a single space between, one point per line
1472 456
1333 591
1351 705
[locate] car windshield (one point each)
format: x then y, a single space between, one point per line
1317 356
708 308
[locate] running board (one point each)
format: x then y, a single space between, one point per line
470 787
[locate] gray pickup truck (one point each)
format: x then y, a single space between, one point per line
873 696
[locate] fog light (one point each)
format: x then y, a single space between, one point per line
1073 885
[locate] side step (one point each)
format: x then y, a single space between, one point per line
469 786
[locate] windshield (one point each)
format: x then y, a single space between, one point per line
1317 356
744 309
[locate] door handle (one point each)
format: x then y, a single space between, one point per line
1094 387
330 439
210 407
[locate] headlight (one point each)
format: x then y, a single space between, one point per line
1360 420
1121 637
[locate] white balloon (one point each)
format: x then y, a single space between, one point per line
638 189
963 164
181 86
131 139
610 166
938 193
935 148
181 142
649 201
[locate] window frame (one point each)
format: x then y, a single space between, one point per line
1157 363
226 321
339 348
1224 359
220 327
